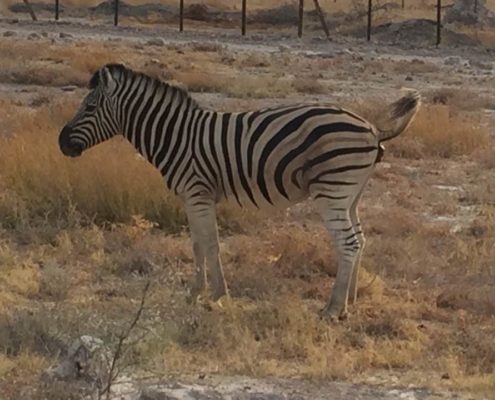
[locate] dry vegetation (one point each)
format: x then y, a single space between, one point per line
79 238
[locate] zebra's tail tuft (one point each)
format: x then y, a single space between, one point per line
400 115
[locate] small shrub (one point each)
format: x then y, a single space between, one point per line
309 86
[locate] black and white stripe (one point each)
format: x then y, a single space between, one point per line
266 158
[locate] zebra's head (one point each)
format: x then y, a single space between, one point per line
95 120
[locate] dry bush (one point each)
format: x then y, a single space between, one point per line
47 183
436 131
414 66
256 86
485 157
199 81
52 64
54 282
309 86
29 333
445 134
459 99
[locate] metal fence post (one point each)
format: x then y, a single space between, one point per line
56 10
368 35
439 22
116 16
181 15
301 16
243 22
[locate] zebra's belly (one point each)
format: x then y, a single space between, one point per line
256 194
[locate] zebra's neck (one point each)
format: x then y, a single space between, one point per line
158 120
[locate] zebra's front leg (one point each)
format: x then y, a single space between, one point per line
199 286
201 213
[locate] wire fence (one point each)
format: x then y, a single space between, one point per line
366 8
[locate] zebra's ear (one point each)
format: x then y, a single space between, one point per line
106 80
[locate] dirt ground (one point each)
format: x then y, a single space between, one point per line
79 239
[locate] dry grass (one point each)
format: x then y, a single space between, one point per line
437 131
445 134
464 99
250 86
30 160
78 238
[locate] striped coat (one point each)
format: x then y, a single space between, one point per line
266 158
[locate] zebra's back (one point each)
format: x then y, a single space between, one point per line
272 157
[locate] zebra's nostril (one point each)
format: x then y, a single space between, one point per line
68 146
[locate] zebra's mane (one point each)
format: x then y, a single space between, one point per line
121 72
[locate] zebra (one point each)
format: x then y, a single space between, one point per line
272 157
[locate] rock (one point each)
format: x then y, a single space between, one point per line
44 34
33 36
198 12
86 362
70 88
155 42
9 34
452 61
481 65
409 78
63 35
462 11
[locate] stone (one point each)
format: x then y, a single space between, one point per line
452 61
86 362
9 34
155 42
63 35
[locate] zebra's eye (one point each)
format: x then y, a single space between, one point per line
91 108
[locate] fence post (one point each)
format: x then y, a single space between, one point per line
243 22
116 15
403 3
368 35
301 16
476 6
56 10
319 11
439 22
181 15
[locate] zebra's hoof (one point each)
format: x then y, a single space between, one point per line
333 315
219 293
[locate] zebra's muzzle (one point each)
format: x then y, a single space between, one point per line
68 146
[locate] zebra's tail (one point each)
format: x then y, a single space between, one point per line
400 115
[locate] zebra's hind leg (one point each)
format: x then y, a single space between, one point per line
353 289
201 213
337 219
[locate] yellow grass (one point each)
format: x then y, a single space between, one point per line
78 239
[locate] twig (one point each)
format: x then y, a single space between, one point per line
114 372
370 284
30 10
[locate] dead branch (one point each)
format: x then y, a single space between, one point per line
319 11
30 10
119 349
